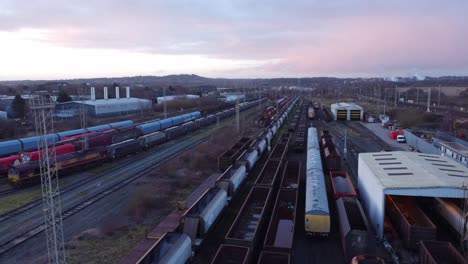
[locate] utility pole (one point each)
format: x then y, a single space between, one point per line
43 108
345 150
83 123
429 100
396 93
385 102
164 99
438 99
417 97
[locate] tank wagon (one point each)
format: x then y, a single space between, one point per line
317 212
436 252
341 184
246 227
232 254
410 221
268 257
229 156
170 248
248 158
232 179
201 216
280 232
356 236
291 175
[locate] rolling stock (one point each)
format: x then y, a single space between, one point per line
453 215
243 234
6 162
317 212
280 232
231 254
246 227
229 156
268 257
367 259
332 158
341 185
356 236
129 140
30 144
248 158
436 252
200 217
59 150
173 248
291 175
311 113
410 221
269 173
232 178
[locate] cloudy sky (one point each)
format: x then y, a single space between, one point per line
52 39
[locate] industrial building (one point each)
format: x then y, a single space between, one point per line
454 150
347 111
403 173
106 107
168 98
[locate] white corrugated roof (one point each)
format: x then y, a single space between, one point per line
457 147
402 169
100 102
348 106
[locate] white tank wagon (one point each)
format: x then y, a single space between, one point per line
248 158
201 216
173 248
231 179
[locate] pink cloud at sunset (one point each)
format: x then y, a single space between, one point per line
53 39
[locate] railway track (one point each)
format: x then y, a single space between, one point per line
118 184
117 181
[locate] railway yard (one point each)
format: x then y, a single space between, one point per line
283 187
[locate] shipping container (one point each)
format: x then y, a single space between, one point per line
411 222
231 254
280 232
246 227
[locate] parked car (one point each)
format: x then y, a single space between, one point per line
401 139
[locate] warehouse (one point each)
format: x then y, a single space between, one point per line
406 174
168 98
455 151
347 111
106 107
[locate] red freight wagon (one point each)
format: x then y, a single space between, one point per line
341 184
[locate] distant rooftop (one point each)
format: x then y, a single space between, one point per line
457 147
348 105
101 102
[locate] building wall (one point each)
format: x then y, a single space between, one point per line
420 144
372 196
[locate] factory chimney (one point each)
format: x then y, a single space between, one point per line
93 94
106 94
117 90
128 91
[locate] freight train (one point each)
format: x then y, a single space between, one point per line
117 143
332 157
200 217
